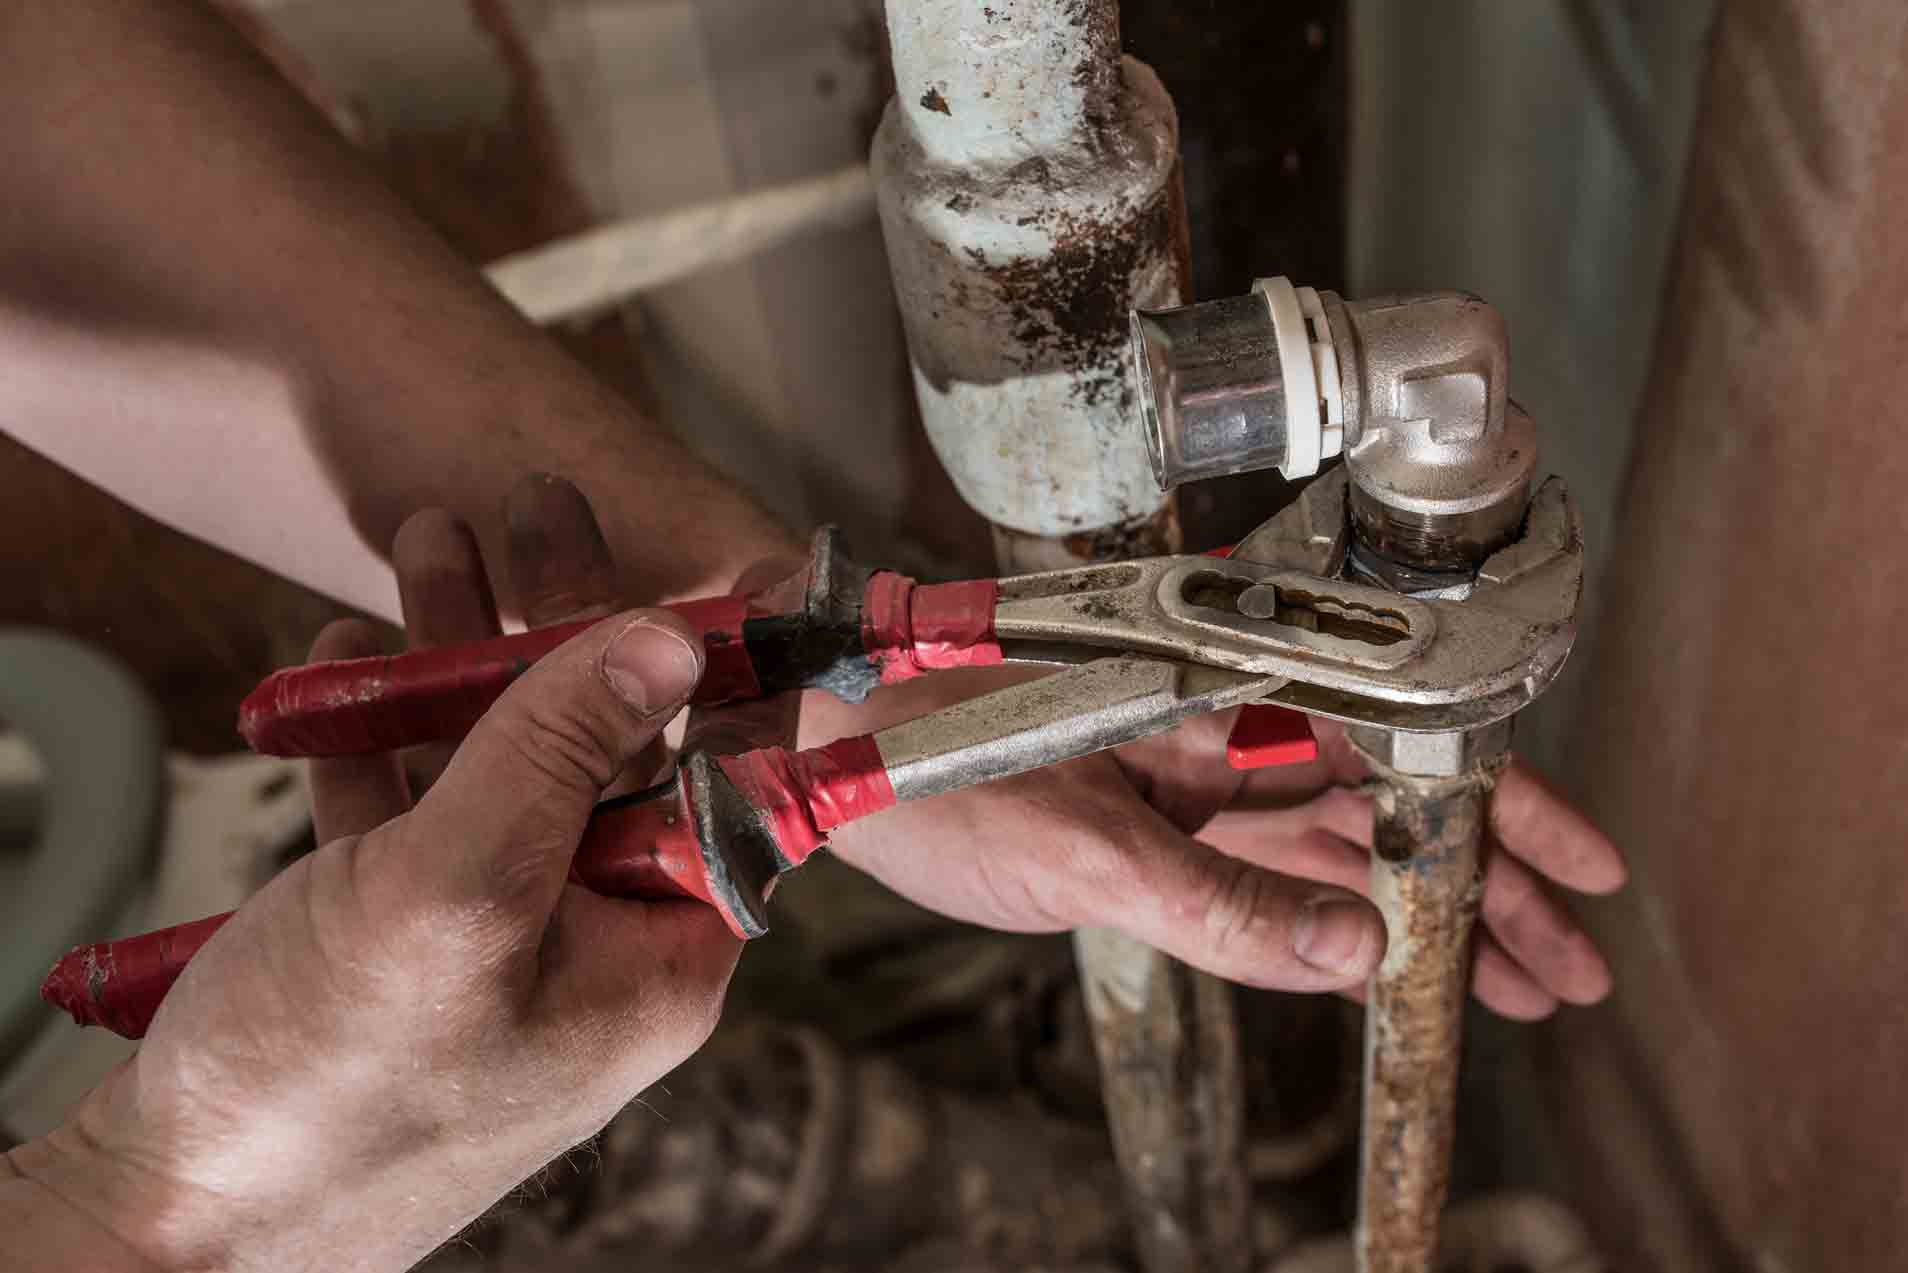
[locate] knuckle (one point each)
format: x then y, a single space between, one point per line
1236 915
569 749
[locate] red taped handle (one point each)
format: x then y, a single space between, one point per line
642 846
639 848
357 706
119 984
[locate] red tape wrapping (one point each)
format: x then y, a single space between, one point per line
910 628
954 624
887 629
120 984
355 706
803 795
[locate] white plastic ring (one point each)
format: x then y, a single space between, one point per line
1331 389
1304 428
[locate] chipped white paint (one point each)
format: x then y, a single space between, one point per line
1024 174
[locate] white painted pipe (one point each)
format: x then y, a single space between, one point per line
600 268
986 83
1026 180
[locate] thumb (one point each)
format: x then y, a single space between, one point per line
503 822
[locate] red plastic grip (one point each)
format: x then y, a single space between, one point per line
643 846
1266 735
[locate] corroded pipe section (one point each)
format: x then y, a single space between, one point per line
1428 828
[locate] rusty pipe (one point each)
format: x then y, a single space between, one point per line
1428 818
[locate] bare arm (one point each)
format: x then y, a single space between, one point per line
209 307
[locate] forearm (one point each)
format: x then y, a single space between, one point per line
211 308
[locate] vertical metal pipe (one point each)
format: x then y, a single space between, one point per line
1028 180
1428 826
1168 1043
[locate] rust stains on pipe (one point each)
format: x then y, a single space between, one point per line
1426 879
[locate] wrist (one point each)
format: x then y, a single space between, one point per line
104 1192
62 1211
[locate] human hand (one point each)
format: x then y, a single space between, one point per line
1161 840
1227 871
1313 821
408 1022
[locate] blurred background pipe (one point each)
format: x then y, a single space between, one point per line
584 274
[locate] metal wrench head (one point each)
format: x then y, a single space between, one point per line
1507 637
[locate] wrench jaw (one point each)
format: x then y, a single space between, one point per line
1344 649
1495 650
740 859
1312 534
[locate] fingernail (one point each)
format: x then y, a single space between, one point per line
1337 935
652 668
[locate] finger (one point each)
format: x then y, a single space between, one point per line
500 827
1228 916
1504 987
441 581
1326 839
778 583
1536 932
1310 854
1183 773
560 564
1534 822
352 794
446 599
561 569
